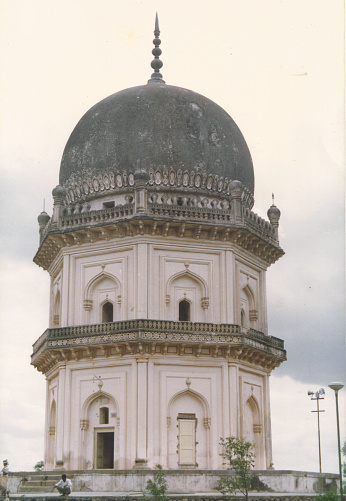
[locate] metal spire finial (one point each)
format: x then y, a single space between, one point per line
156 64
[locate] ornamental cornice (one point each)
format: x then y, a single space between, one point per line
157 338
102 227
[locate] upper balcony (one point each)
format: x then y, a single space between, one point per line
157 337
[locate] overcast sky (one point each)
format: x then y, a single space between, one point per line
276 66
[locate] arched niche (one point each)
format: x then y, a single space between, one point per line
188 418
103 288
189 287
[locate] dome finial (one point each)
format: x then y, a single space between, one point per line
156 64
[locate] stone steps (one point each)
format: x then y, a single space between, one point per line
38 483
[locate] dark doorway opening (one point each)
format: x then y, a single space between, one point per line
105 450
107 312
184 311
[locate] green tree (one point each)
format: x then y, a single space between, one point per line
158 486
239 458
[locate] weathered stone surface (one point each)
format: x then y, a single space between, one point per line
156 126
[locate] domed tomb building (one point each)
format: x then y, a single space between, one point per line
157 343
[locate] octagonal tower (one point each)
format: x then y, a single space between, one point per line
157 343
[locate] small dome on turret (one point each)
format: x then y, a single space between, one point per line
59 191
43 218
273 213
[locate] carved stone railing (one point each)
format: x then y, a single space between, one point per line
184 212
209 213
259 225
109 215
158 331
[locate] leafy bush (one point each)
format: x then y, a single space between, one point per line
158 486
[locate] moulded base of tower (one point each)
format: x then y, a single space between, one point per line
180 483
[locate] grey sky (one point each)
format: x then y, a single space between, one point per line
277 68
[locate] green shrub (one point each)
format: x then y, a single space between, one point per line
330 496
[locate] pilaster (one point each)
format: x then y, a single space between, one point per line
267 423
234 404
142 410
60 428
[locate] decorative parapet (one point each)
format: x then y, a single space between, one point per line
153 337
95 217
184 221
165 178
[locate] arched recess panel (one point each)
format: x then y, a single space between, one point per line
248 308
57 309
50 461
187 286
252 428
188 431
102 289
100 432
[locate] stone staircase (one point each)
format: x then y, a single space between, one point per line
39 483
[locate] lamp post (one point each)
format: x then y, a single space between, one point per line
318 396
336 386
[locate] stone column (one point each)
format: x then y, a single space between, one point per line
142 411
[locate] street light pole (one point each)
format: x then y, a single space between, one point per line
317 396
336 386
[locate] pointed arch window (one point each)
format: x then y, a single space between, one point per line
104 415
107 312
184 311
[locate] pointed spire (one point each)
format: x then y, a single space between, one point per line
156 64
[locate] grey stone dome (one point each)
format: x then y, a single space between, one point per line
155 127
